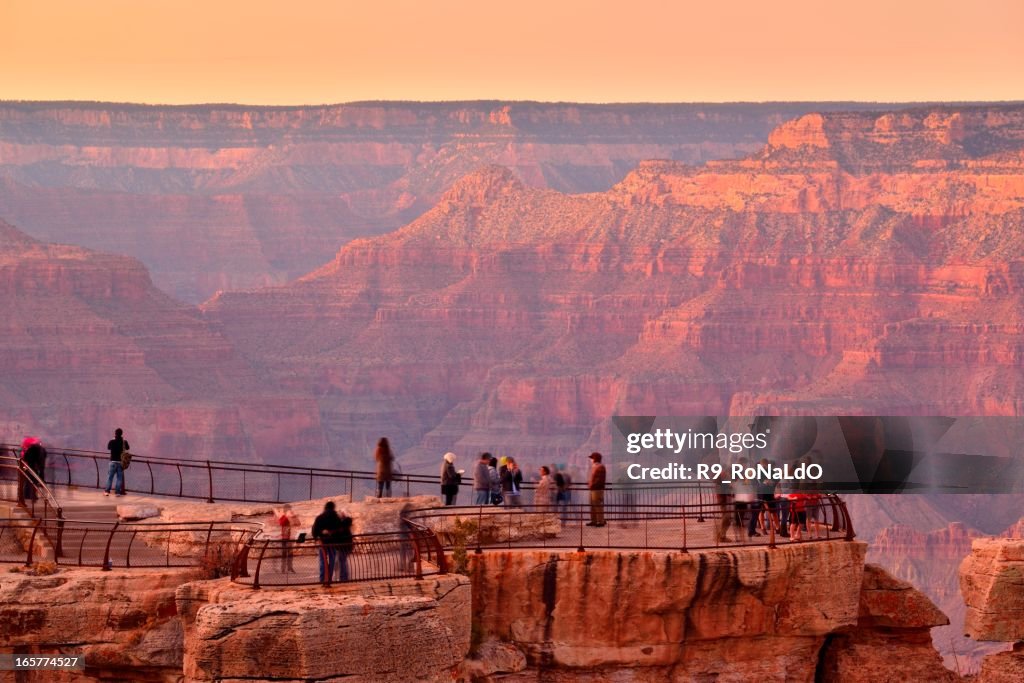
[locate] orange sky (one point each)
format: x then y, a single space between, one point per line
307 51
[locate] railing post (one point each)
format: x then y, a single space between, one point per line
850 535
310 485
59 550
21 481
106 550
684 532
206 551
351 489
32 543
209 479
479 528
579 523
152 483
259 564
417 555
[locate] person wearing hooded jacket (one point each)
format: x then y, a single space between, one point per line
450 479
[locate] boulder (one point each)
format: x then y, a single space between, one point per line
387 631
992 583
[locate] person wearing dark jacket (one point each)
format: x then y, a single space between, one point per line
328 530
450 479
115 472
345 543
596 485
34 456
482 480
385 471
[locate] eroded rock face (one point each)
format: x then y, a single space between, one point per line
387 631
992 583
892 639
124 622
644 616
215 198
858 262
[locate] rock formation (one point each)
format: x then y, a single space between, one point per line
892 639
222 197
992 583
859 262
124 623
89 344
801 613
386 631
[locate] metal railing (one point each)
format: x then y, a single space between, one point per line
19 484
222 480
109 545
218 480
412 553
640 527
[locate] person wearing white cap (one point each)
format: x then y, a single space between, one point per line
450 479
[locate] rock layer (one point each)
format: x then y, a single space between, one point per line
857 264
386 631
992 583
221 197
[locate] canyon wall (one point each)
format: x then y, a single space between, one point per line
799 613
231 197
89 344
735 615
857 264
992 583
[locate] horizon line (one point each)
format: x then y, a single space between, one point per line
492 101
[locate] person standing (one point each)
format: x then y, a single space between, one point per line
596 485
115 471
286 523
482 480
327 529
34 456
544 494
345 542
450 479
492 470
511 483
563 499
385 471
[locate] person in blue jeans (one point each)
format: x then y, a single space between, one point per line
329 530
115 471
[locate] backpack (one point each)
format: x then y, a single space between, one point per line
126 458
559 481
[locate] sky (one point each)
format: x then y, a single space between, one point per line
314 52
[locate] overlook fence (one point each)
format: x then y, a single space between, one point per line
23 487
109 545
413 553
639 527
216 480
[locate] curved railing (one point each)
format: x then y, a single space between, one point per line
412 553
264 483
109 545
641 527
20 485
